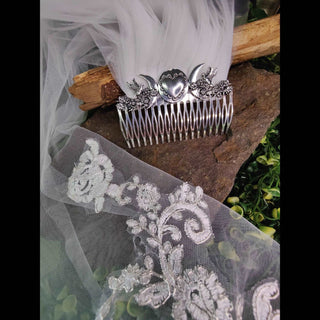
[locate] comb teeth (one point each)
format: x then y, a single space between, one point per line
169 122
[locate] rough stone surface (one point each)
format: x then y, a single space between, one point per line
211 162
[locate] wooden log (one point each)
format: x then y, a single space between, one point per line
256 39
96 87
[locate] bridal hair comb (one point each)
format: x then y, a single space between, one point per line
176 107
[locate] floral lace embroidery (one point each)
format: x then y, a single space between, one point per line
262 309
196 292
90 177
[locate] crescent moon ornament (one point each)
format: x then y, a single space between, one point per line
194 73
170 106
151 82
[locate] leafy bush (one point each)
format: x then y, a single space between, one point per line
256 191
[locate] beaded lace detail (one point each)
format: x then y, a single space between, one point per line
195 292
90 177
263 294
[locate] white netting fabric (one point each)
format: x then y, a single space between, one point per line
121 239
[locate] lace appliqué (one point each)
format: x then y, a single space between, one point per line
90 177
195 292
262 308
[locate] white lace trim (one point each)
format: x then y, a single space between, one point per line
196 292
90 177
262 308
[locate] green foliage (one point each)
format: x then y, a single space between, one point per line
256 191
270 63
226 249
57 298
125 309
255 12
100 274
49 262
259 10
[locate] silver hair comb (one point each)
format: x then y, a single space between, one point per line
176 108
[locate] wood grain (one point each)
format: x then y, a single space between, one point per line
96 87
256 39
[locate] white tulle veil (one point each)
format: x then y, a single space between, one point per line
121 239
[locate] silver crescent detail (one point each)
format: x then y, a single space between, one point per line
151 82
194 73
172 106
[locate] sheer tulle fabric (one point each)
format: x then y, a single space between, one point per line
145 37
240 255
84 233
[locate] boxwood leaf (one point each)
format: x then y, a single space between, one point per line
69 303
227 250
58 312
263 160
63 293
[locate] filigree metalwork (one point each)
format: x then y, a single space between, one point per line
142 100
173 86
175 106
